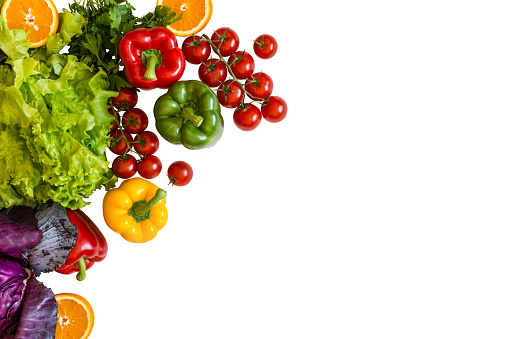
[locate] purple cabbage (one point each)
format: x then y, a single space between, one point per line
31 241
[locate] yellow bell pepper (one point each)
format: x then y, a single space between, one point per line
136 209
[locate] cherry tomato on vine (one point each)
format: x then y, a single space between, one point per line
124 168
127 98
275 110
247 118
242 64
226 40
150 167
230 94
259 85
213 72
265 46
146 143
180 173
196 50
119 143
135 120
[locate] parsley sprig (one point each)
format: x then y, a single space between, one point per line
106 23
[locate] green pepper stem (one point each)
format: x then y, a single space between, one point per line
151 64
82 270
141 210
188 113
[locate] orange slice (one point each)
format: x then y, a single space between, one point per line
75 317
39 17
196 14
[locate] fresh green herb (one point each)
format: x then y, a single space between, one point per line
106 23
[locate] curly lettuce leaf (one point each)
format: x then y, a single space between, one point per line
13 42
55 133
70 25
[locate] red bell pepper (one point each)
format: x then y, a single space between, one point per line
151 58
90 247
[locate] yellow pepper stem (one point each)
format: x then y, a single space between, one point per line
143 209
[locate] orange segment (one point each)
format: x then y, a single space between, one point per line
196 14
75 317
39 17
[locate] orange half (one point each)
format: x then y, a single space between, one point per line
39 17
195 15
75 317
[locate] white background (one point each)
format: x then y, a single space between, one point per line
376 209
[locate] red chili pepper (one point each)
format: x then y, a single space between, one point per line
151 58
90 247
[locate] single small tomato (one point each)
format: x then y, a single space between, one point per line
275 110
265 46
135 120
180 173
119 144
127 98
150 167
230 94
248 118
196 50
241 64
146 143
259 86
226 40
213 72
124 167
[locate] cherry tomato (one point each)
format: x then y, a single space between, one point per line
146 143
135 120
226 40
247 118
124 168
196 50
259 85
242 64
127 98
275 110
114 125
150 167
230 94
213 72
118 142
265 46
180 173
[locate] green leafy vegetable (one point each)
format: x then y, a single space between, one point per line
53 124
13 42
106 23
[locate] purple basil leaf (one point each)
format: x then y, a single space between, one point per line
18 231
58 238
39 314
13 281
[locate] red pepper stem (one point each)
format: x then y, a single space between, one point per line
188 113
141 210
82 269
151 64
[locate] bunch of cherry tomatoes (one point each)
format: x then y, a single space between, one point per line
133 121
240 65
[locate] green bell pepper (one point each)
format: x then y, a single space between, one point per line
189 114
